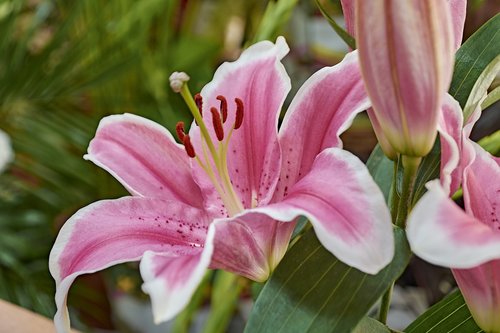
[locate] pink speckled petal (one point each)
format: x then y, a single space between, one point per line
259 79
170 279
109 232
323 108
144 157
346 209
481 186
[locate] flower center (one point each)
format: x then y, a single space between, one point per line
213 158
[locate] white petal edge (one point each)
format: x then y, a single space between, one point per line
433 243
453 160
167 304
367 260
258 50
117 118
318 76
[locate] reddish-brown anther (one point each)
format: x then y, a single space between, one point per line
217 123
179 129
188 146
199 102
239 113
223 107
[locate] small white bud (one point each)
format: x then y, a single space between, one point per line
177 80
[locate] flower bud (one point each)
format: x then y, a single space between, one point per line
406 51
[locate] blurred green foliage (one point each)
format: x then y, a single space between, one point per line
66 64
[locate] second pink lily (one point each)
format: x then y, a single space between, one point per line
466 241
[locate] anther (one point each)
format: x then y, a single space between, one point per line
239 113
199 102
223 107
179 128
217 123
188 146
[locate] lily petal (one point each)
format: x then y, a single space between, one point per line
109 232
170 280
237 250
339 93
346 208
440 232
481 187
458 12
259 79
481 289
348 11
450 130
144 157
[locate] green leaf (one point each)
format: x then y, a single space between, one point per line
275 17
370 325
381 169
491 143
481 86
312 291
493 97
449 315
473 57
346 37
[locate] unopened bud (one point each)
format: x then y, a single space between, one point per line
177 80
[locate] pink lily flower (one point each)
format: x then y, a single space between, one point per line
228 199
406 51
468 242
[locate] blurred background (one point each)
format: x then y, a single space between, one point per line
66 64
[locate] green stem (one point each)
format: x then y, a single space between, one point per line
386 304
410 167
394 196
400 205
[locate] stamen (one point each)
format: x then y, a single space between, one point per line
223 107
217 123
239 113
179 128
188 146
199 102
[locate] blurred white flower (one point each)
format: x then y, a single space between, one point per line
6 153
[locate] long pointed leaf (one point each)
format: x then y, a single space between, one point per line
312 291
